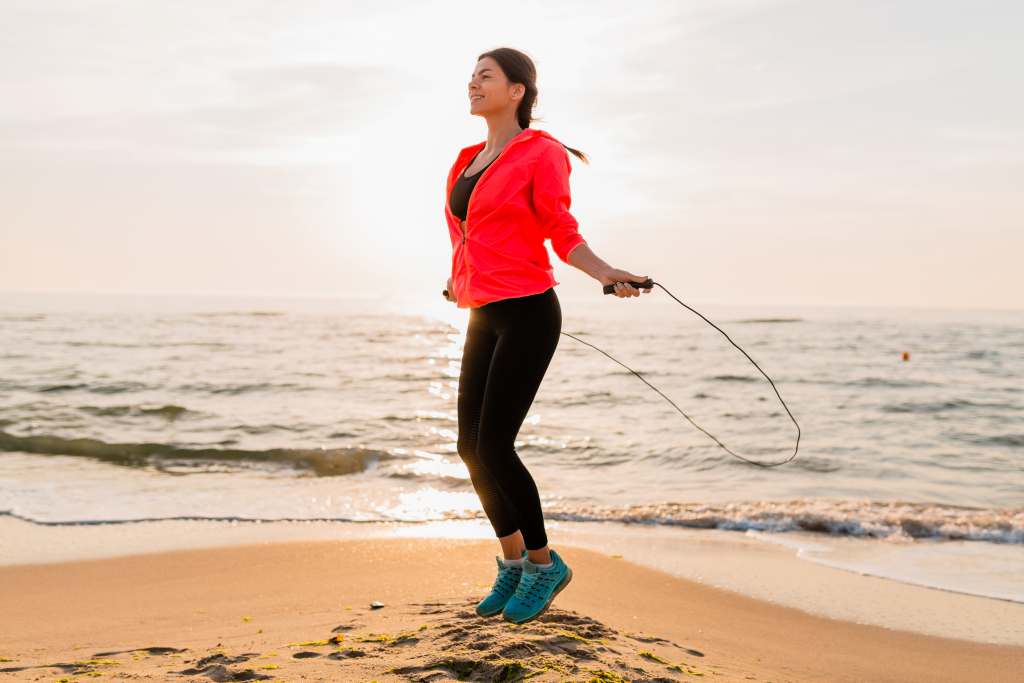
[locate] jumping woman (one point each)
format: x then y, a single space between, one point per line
503 198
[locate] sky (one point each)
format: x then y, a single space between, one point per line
755 152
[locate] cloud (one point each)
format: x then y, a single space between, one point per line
263 110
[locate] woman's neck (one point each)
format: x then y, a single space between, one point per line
498 136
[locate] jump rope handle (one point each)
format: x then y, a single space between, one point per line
646 284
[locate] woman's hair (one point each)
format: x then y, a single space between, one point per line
519 68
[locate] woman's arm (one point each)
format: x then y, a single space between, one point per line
583 257
552 199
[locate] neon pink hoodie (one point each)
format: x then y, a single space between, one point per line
520 200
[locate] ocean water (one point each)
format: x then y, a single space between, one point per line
117 409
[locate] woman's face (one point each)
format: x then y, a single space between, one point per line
490 91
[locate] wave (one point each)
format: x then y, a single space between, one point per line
420 478
170 411
323 462
144 345
732 378
590 397
113 388
258 314
939 406
420 416
770 320
189 518
886 382
243 388
899 522
28 318
410 377
860 518
1014 440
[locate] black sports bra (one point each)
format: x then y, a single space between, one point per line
459 199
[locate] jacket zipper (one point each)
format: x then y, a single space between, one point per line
469 202
464 224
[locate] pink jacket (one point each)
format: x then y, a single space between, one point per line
520 200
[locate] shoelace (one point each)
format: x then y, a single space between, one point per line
533 587
507 577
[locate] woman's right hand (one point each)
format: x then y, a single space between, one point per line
626 283
451 294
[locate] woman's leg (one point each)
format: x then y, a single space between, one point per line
513 545
476 361
528 330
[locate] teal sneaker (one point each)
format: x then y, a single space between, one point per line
504 586
536 589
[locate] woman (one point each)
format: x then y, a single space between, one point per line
504 197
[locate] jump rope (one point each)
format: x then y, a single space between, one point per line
648 284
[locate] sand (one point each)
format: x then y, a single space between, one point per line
301 610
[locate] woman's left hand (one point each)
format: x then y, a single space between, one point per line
621 279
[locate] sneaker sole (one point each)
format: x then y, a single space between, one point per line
490 614
558 589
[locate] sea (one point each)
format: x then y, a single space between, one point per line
901 427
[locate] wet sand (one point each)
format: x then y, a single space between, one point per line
301 610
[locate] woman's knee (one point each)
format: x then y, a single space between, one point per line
469 450
493 452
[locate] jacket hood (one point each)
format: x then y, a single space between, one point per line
525 134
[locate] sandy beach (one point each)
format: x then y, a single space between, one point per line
301 610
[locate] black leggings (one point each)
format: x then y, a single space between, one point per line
509 344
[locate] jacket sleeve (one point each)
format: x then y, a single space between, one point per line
551 201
